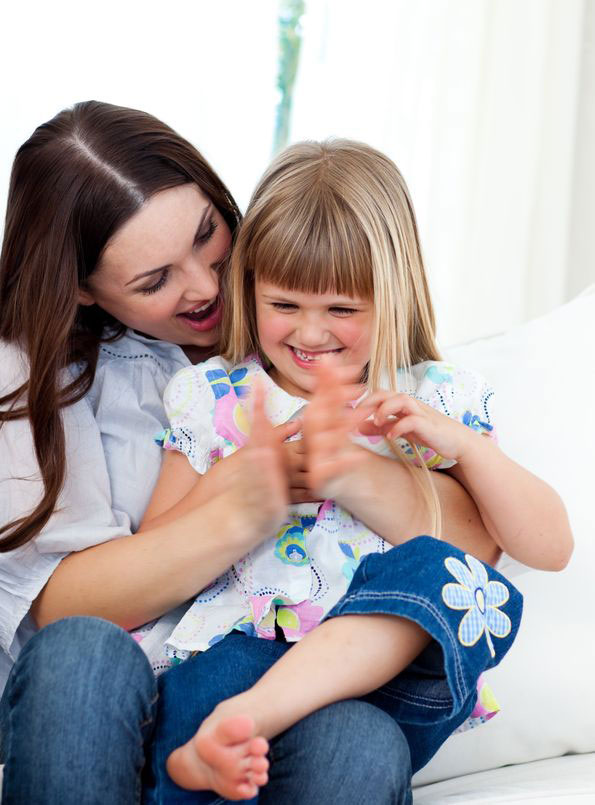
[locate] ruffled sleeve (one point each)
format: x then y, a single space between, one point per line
189 404
459 393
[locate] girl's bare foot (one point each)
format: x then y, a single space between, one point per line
224 756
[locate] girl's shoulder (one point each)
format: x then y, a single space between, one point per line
457 391
195 388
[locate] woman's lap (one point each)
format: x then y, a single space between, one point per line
78 715
340 753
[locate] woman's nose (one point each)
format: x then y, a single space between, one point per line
202 281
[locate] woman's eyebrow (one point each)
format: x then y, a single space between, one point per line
206 212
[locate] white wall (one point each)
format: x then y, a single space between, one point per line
488 107
206 68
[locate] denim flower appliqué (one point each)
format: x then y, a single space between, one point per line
480 597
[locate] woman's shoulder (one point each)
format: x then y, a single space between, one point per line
134 368
133 348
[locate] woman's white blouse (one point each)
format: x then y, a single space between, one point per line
112 466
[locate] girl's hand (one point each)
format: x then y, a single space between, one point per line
329 420
256 493
216 480
399 415
297 471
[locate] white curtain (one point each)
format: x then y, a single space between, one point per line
477 101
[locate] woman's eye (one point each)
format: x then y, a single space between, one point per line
159 284
203 237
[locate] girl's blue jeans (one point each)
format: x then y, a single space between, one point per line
81 709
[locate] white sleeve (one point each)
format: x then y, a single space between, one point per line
189 404
459 393
83 515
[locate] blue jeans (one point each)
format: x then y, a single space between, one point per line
349 752
471 612
79 706
473 615
78 714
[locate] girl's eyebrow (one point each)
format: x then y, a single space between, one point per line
206 212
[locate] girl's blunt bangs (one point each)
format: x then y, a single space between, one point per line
315 246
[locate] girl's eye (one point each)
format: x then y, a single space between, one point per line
159 284
284 306
342 311
206 236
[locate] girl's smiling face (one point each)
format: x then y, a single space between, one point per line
159 274
295 329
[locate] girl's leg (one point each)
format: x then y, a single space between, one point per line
77 709
340 753
396 603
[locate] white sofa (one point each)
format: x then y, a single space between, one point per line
541 747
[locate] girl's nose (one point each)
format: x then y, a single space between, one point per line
312 334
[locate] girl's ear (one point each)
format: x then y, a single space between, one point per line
85 298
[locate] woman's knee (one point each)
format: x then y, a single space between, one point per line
350 752
83 655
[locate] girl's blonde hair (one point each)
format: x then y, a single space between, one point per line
337 217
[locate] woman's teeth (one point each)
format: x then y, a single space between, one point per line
201 312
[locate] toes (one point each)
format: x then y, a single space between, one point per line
260 779
259 765
258 746
246 791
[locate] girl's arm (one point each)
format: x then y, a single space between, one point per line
379 491
180 489
488 502
136 578
525 517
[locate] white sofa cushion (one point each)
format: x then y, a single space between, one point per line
544 376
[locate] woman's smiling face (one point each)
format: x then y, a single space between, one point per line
159 274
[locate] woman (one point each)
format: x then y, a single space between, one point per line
115 236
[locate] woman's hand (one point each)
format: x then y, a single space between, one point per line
399 415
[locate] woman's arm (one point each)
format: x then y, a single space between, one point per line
180 489
384 495
136 578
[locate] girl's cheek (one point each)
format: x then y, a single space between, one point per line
353 333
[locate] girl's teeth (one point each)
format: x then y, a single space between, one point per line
304 357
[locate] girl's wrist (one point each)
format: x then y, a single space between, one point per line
477 447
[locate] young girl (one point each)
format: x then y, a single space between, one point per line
327 270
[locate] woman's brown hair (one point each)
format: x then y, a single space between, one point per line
74 183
